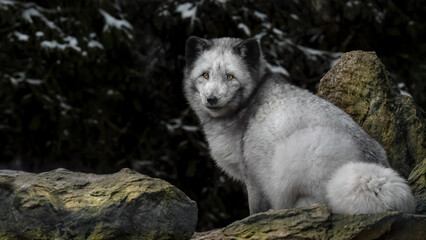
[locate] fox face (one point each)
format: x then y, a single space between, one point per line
220 74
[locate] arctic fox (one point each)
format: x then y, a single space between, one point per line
289 147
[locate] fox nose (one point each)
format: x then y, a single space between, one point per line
212 100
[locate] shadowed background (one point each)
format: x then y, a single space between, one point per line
95 86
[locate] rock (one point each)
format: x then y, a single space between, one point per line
317 222
389 225
360 85
61 204
310 223
417 181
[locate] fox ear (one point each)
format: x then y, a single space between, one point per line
194 47
250 51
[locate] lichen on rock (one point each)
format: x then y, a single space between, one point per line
417 181
62 204
318 222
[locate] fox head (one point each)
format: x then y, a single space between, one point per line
221 74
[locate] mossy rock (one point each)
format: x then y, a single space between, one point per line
417 181
62 204
317 222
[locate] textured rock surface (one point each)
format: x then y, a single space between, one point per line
360 85
417 181
68 205
390 225
317 222
309 223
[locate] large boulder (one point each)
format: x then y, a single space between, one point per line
317 222
61 204
359 84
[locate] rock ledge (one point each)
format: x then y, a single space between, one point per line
61 204
317 222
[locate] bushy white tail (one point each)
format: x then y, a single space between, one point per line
359 187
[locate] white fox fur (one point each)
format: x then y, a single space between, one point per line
368 188
289 147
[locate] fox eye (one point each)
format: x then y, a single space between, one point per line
230 77
206 75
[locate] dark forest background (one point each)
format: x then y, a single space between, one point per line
95 86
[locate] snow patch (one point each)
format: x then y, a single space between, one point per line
7 2
189 128
352 3
187 10
379 16
95 44
294 16
164 13
28 15
278 32
260 15
266 25
21 77
176 123
21 36
111 92
260 35
310 51
315 52
65 106
112 22
278 69
405 93
402 90
72 43
173 124
62 103
4 4
244 27
39 34
33 81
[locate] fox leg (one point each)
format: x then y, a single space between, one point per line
258 202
